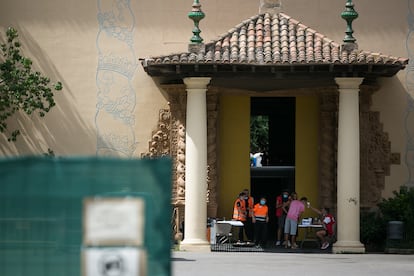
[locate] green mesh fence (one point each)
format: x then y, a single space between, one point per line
41 210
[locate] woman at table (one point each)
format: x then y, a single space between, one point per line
260 221
328 222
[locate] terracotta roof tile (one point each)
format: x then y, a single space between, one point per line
276 39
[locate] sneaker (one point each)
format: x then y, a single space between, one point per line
294 246
325 245
278 243
289 245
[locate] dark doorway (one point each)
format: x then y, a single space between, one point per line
278 164
269 182
280 113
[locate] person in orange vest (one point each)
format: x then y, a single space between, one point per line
260 220
240 214
248 226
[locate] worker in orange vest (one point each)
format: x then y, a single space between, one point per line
240 214
248 226
260 220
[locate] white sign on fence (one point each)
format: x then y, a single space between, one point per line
114 221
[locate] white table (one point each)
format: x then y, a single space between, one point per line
231 222
223 228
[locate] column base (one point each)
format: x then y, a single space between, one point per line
343 247
195 245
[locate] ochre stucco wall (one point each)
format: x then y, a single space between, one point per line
234 145
307 136
306 154
62 38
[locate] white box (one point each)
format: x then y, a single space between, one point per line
307 221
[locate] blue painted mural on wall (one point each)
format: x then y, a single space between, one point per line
115 118
409 119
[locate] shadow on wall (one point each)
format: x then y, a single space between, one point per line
394 101
63 130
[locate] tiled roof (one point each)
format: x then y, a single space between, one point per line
275 40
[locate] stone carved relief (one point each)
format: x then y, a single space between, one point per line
212 176
117 62
169 139
375 150
160 141
178 102
328 148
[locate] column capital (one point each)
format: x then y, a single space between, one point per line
196 82
349 83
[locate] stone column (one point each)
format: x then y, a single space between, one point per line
348 168
195 216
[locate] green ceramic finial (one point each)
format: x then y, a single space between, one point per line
349 15
196 15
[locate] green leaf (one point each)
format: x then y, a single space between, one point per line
21 87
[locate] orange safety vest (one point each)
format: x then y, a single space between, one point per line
239 210
250 206
261 212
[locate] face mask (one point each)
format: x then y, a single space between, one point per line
262 202
285 196
246 197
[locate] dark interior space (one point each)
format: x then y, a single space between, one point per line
278 173
281 114
269 182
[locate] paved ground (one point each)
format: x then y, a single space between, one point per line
264 263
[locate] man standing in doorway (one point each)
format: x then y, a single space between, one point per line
240 214
281 201
249 203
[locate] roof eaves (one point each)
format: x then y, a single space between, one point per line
275 40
